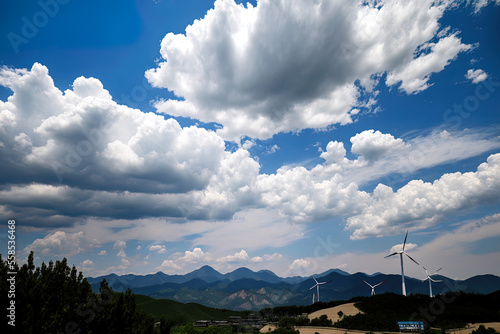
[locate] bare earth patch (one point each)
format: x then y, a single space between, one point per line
332 313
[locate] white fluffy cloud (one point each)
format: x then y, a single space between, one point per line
476 75
190 174
195 256
87 263
60 243
422 204
160 249
300 266
119 244
373 144
239 68
415 75
241 256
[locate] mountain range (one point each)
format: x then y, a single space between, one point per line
244 289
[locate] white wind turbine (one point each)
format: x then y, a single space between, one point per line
317 285
431 280
401 252
373 286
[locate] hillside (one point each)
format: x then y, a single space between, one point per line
179 312
381 313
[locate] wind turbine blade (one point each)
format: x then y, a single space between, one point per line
395 253
313 287
435 280
368 284
315 280
404 243
411 258
378 284
437 271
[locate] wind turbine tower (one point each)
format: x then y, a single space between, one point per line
401 253
373 286
317 286
431 280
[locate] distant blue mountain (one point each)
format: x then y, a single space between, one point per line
244 289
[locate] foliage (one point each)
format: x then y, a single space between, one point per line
179 313
482 330
276 313
451 310
382 312
322 321
190 329
55 298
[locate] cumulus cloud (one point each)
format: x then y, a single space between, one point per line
241 256
119 244
160 249
422 204
238 68
195 256
189 174
372 144
273 257
87 263
168 265
299 266
122 253
103 252
476 76
100 158
60 243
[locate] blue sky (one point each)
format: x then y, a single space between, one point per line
295 136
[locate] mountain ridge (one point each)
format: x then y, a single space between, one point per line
244 289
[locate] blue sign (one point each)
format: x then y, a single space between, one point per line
411 326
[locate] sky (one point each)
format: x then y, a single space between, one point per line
296 136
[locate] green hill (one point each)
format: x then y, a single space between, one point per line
179 312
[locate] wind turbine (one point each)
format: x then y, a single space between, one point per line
317 285
431 280
401 252
373 286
